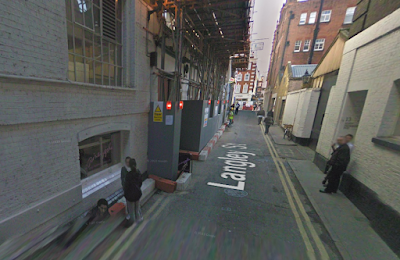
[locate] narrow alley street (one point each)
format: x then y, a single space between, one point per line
270 219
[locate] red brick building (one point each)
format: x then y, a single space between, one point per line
245 80
305 31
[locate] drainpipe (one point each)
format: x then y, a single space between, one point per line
316 31
286 38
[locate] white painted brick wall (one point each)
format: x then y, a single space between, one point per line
39 121
33 39
370 63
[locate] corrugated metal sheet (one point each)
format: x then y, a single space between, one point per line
298 71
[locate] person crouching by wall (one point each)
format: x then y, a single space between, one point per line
133 193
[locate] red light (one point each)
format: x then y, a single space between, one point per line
180 104
209 102
218 102
224 101
169 105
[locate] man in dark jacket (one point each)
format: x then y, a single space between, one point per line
260 115
133 193
339 160
268 122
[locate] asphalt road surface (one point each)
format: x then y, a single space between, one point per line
260 213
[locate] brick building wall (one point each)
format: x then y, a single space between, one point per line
43 113
283 50
371 11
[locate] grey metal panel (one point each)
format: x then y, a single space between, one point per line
194 136
192 122
164 141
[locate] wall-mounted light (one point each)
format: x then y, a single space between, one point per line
180 104
169 105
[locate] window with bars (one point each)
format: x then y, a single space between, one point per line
326 16
313 17
297 46
306 45
95 41
319 45
349 15
303 18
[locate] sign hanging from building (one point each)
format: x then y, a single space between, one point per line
158 112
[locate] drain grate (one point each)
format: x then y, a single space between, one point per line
236 193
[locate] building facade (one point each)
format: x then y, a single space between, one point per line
292 80
304 31
244 87
365 102
75 86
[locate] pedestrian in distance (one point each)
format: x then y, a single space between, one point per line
237 108
260 115
268 122
230 117
271 114
133 193
339 160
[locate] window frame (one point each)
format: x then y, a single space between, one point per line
303 19
237 89
247 77
317 44
247 88
92 59
323 16
297 44
313 15
308 45
100 142
239 77
352 14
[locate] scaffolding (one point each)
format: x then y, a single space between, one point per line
202 35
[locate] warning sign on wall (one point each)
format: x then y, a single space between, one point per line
158 112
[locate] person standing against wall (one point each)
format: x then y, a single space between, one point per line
339 160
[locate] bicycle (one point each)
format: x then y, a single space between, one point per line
288 131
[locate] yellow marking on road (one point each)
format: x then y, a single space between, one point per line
132 239
302 230
317 240
123 238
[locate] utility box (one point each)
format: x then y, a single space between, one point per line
164 139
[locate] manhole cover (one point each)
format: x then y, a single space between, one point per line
236 193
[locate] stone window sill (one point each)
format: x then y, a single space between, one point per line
100 180
389 142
